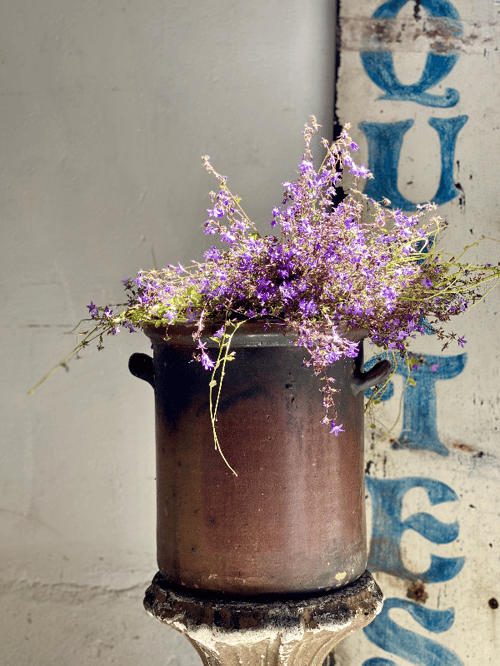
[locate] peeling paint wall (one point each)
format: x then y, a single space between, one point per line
418 81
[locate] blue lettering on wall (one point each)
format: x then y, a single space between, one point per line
380 67
387 528
417 649
384 147
419 428
419 401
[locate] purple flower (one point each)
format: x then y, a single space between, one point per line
308 308
92 310
305 167
206 361
287 291
170 315
215 212
348 160
336 429
360 171
434 367
128 324
389 294
227 237
210 228
332 356
213 254
304 226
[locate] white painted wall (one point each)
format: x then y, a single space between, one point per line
106 108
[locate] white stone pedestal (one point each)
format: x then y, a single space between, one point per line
287 631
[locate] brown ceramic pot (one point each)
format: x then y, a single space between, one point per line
293 520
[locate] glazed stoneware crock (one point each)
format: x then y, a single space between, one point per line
293 519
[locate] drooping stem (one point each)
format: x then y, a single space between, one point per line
223 356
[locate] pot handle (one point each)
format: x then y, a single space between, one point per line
376 375
141 366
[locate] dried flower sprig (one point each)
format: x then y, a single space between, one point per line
357 264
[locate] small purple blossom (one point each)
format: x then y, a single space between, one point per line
227 237
206 361
93 311
213 254
210 227
305 167
336 429
308 308
215 212
129 325
360 171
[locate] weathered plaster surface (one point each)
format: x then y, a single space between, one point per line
106 109
433 487
79 625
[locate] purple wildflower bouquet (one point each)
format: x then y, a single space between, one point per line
356 264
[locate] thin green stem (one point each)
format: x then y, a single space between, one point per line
86 340
222 359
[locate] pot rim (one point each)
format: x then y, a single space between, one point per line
253 333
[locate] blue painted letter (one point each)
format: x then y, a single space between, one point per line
388 528
419 401
417 649
380 68
384 147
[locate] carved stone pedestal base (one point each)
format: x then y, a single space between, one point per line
284 632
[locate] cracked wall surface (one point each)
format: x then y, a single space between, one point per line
76 625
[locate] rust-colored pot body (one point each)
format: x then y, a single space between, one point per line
293 519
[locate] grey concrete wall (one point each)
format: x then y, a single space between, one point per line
106 108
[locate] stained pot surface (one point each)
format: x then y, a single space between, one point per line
293 520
